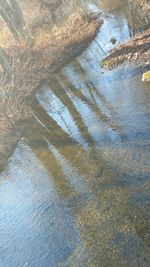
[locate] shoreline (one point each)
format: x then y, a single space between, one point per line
137 48
33 66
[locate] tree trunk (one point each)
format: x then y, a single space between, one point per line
5 61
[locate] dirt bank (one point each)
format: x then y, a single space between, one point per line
138 47
31 66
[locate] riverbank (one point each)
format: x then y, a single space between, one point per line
32 65
136 48
143 6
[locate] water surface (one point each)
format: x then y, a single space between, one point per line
76 190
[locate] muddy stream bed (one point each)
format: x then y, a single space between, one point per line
76 191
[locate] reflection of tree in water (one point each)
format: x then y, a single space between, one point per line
66 145
64 120
60 92
96 94
108 235
39 146
93 106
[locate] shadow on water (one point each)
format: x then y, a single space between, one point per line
76 190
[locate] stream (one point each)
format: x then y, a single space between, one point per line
76 191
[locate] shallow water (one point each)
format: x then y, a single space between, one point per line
76 191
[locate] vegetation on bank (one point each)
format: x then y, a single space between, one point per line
26 64
141 5
135 49
146 76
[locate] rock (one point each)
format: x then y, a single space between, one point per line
136 56
146 76
113 40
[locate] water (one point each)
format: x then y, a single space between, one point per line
76 190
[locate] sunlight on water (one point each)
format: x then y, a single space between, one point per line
76 190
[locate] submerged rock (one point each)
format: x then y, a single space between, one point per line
146 76
113 40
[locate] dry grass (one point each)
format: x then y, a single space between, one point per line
142 5
33 65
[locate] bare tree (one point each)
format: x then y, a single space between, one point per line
11 13
5 61
51 6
